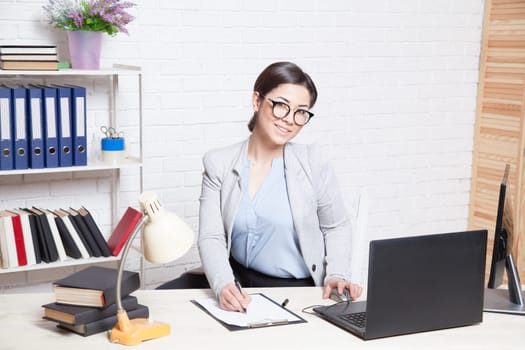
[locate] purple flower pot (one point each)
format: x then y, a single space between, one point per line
84 49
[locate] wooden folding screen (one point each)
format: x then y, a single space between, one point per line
500 121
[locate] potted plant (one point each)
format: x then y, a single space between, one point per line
85 21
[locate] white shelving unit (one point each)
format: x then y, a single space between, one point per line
113 170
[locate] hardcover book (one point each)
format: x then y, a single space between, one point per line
35 235
28 49
48 249
74 229
8 234
95 231
75 315
19 239
83 230
6 242
70 245
28 57
55 234
28 237
77 238
29 65
123 230
94 286
104 324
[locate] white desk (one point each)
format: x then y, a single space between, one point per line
22 327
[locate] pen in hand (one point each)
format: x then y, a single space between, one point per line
238 285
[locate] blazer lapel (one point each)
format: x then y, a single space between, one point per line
298 187
232 193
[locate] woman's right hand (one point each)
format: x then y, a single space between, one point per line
233 299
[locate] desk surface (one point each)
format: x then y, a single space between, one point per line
22 327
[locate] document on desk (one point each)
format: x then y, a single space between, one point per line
261 312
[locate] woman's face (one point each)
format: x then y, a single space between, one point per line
276 130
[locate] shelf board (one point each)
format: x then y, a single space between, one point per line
117 69
57 264
131 162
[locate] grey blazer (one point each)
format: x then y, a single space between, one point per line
319 214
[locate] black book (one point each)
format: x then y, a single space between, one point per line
84 231
75 315
69 244
77 238
35 235
95 231
94 286
104 324
48 248
67 216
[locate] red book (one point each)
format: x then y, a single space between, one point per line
19 240
125 226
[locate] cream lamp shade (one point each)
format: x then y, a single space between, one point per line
165 237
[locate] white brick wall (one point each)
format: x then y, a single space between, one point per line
397 84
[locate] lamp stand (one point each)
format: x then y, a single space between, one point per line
135 331
132 332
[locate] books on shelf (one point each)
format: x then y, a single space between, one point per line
29 236
94 230
28 57
94 286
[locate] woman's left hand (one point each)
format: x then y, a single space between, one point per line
342 284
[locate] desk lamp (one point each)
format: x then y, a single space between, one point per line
165 238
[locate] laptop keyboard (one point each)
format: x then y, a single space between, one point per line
358 319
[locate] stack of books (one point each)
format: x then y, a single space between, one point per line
33 235
28 57
85 300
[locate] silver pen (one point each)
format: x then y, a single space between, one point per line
268 323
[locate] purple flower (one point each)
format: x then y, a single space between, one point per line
108 16
77 17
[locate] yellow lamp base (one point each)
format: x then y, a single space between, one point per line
132 332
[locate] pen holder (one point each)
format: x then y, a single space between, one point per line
113 149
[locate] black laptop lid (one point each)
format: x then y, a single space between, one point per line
426 282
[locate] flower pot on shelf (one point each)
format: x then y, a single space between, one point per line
84 48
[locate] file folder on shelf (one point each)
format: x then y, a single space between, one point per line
78 117
6 132
18 114
35 127
65 141
50 126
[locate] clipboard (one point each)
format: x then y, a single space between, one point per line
274 314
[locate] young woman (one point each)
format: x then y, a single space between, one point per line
271 213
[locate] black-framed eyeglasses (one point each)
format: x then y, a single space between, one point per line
281 110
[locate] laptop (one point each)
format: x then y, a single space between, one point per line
417 284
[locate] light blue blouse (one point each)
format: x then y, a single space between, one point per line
263 236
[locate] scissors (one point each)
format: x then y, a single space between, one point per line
111 133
